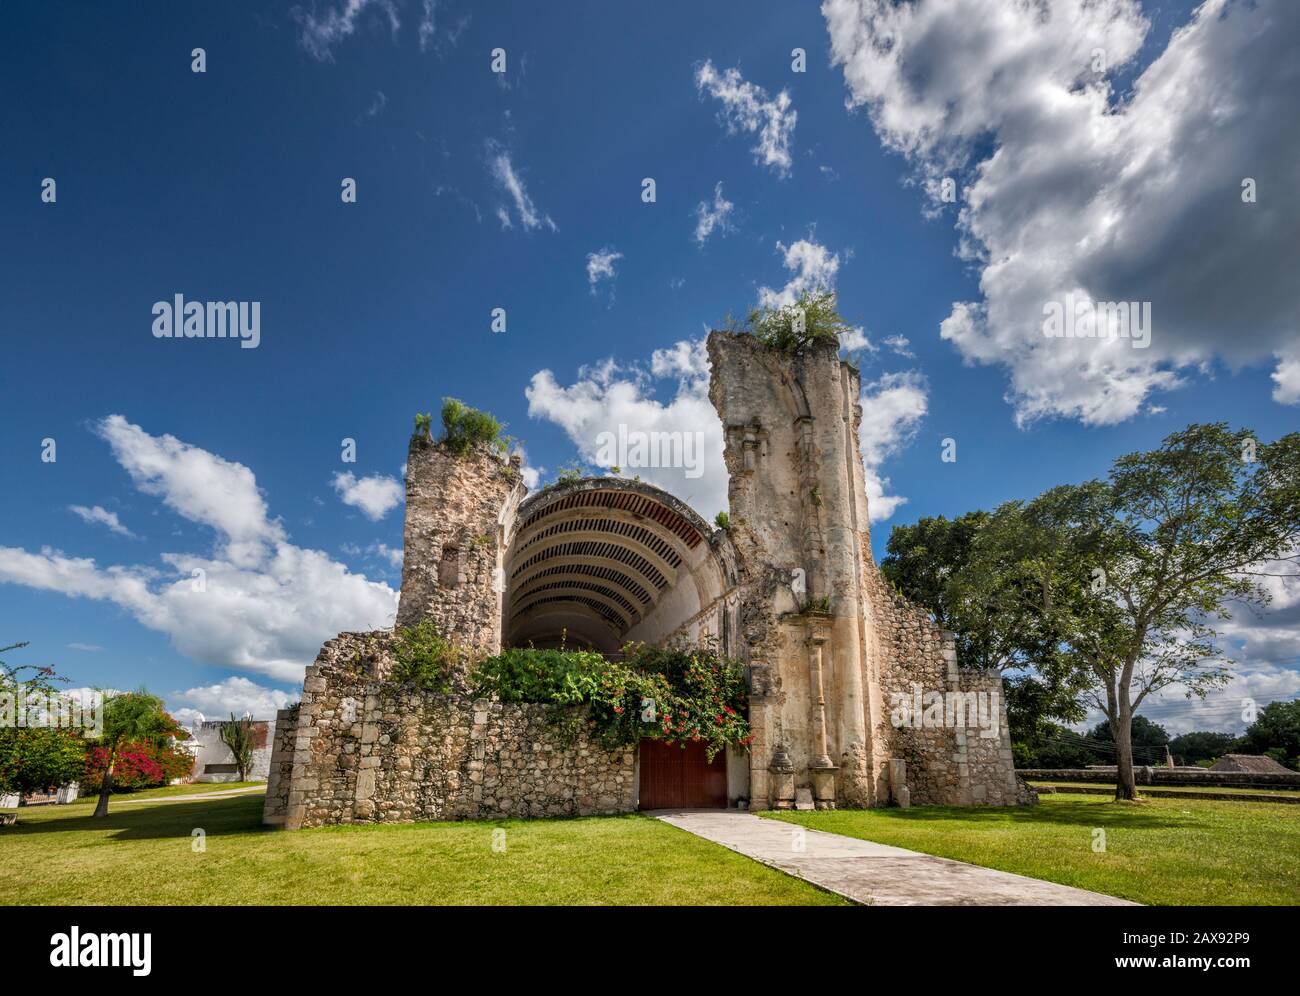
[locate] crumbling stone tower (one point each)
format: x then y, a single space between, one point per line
458 509
830 646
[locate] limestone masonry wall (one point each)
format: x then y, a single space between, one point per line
368 750
946 766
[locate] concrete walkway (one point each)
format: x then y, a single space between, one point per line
870 873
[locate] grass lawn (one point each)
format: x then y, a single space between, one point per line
141 854
1161 851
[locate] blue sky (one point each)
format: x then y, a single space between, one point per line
478 190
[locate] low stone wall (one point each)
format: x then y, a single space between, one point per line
1150 775
367 750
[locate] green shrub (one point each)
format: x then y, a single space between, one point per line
465 427
568 477
722 520
812 319
671 694
423 657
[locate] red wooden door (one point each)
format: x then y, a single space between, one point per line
674 776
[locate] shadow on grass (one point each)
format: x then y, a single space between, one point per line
218 817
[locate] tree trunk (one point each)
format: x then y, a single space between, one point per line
1125 784
105 790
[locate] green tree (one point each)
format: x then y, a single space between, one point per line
130 717
1200 745
993 604
33 758
238 736
1276 729
1133 570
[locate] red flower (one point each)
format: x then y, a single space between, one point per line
618 708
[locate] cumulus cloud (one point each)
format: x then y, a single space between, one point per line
256 602
892 410
235 695
600 266
747 107
507 178
1069 188
608 395
319 34
711 217
813 269
97 514
375 496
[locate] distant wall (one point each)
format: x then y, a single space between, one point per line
211 755
1150 775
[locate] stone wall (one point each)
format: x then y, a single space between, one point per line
280 769
367 750
951 765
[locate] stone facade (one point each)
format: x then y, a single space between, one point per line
829 644
833 655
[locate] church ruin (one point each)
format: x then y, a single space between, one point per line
855 696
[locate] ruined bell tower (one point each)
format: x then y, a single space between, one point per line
831 648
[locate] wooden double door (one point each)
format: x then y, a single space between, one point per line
676 776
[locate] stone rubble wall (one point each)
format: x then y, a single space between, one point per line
366 750
945 766
281 767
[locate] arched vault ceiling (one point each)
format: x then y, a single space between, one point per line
599 554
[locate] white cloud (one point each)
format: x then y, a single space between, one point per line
709 217
427 23
196 484
814 269
1286 378
511 183
746 107
856 338
257 602
900 345
600 266
319 35
90 648
607 395
102 516
892 409
234 695
375 496
1071 188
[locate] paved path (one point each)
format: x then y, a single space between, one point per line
875 874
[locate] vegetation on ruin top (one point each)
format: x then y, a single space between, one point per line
463 428
811 320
